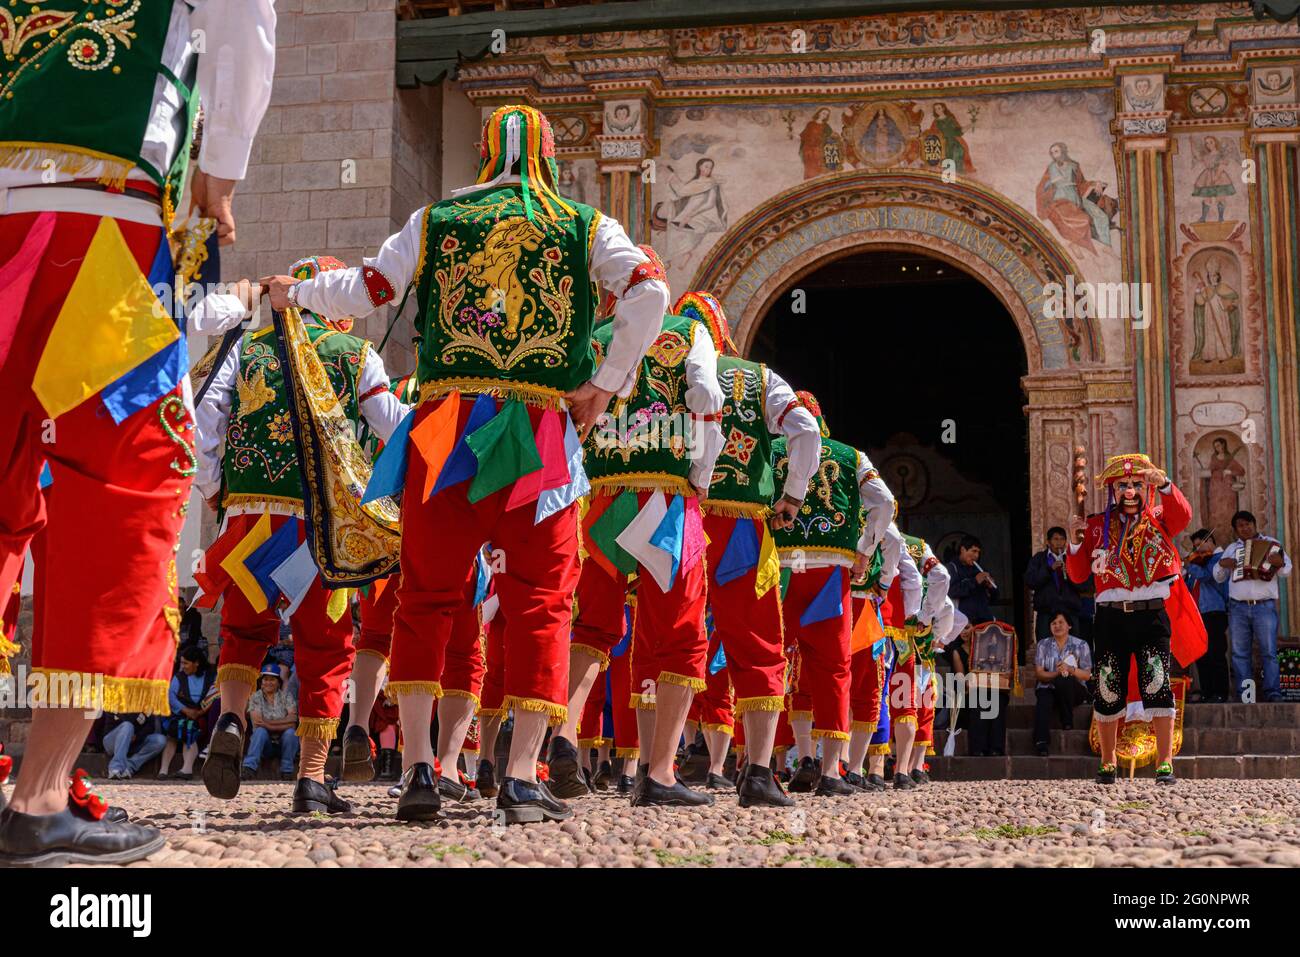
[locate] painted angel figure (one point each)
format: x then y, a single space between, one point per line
696 210
1215 156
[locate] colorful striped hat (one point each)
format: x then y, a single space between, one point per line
704 307
521 134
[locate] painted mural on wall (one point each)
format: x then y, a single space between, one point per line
718 162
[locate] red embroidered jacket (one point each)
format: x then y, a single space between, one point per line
1145 556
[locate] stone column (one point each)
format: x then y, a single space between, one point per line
623 146
1274 134
1143 132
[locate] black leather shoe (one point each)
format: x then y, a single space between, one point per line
390 765
53 840
313 797
833 786
855 781
456 790
760 788
874 782
654 794
523 802
358 759
717 782
695 767
638 782
566 780
920 777
221 771
487 779
1106 774
420 799
604 774
741 771
903 783
806 777
625 784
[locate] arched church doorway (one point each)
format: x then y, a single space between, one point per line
918 364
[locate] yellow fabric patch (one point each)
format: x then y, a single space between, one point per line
769 564
233 563
338 603
110 323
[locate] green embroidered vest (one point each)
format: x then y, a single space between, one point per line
922 636
77 86
742 478
506 304
832 515
643 442
874 570
261 458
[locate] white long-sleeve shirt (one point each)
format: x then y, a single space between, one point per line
1250 589
638 315
802 435
877 500
891 545
910 584
937 580
703 398
234 80
382 410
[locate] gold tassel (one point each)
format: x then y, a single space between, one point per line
317 729
491 713
641 482
766 703
868 727
833 735
726 509
590 652
929 750
539 396
877 749
73 160
555 713
396 688
457 693
588 743
801 715
245 674
627 752
672 678
54 688
905 719
724 728
642 702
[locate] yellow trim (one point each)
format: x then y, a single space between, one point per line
642 702
893 631
240 499
457 693
868 727
73 160
809 553
929 750
590 652
424 250
904 719
877 749
317 729
672 678
724 508
373 653
627 752
97 692
8 648
395 688
640 482
801 715
765 703
591 232
726 729
833 735
555 713
244 674
540 396
491 713
590 743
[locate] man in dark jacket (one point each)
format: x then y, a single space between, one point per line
1053 590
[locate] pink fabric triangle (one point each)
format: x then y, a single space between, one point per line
692 534
16 279
554 472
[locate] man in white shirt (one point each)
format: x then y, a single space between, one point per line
1252 604
83 212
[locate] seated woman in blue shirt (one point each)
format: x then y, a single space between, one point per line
1063 666
189 688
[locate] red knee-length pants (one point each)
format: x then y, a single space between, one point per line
713 708
823 650
868 677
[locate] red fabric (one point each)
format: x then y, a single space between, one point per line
925 713
1156 532
749 627
591 724
602 599
463 664
784 730
668 627
322 649
377 617
902 690
1188 639
823 648
121 488
441 536
714 705
867 676
494 691
620 690
891 611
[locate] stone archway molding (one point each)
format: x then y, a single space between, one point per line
979 231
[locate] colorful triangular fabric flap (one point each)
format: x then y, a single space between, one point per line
670 536
694 541
719 661
234 563
606 530
637 540
505 449
271 554
554 472
389 474
461 464
434 437
828 602
557 499
16 277
785 582
740 553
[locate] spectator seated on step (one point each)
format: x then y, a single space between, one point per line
130 741
1063 666
273 716
191 692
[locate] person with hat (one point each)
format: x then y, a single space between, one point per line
249 470
1129 548
829 543
273 716
506 274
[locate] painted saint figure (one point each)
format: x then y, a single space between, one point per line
697 210
953 138
820 146
1077 207
1216 319
1214 182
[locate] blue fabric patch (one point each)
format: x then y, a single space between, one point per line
389 475
462 464
828 603
741 553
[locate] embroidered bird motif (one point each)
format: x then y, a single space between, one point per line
1155 675
1106 684
253 393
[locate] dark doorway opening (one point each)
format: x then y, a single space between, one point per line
919 365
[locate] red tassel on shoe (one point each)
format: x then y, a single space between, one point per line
543 771
81 795
437 768
6 765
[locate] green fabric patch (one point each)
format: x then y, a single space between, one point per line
606 529
505 449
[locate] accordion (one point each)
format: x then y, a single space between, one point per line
1251 557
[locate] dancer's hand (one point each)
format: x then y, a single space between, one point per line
1156 478
783 512
276 288
586 403
1078 525
212 196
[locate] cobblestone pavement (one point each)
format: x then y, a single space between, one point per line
979 823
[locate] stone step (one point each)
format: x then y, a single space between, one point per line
1076 767
1284 741
1233 716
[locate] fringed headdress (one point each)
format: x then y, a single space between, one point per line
1125 466
520 135
704 307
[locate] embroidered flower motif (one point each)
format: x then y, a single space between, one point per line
552 254
450 244
280 428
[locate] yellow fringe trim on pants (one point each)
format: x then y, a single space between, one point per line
245 674
396 688
765 703
491 713
877 749
801 715
929 750
868 727
589 743
642 482
833 735
905 719
555 713
54 688
590 652
317 729
724 728
373 654
672 678
642 702
457 693
627 752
